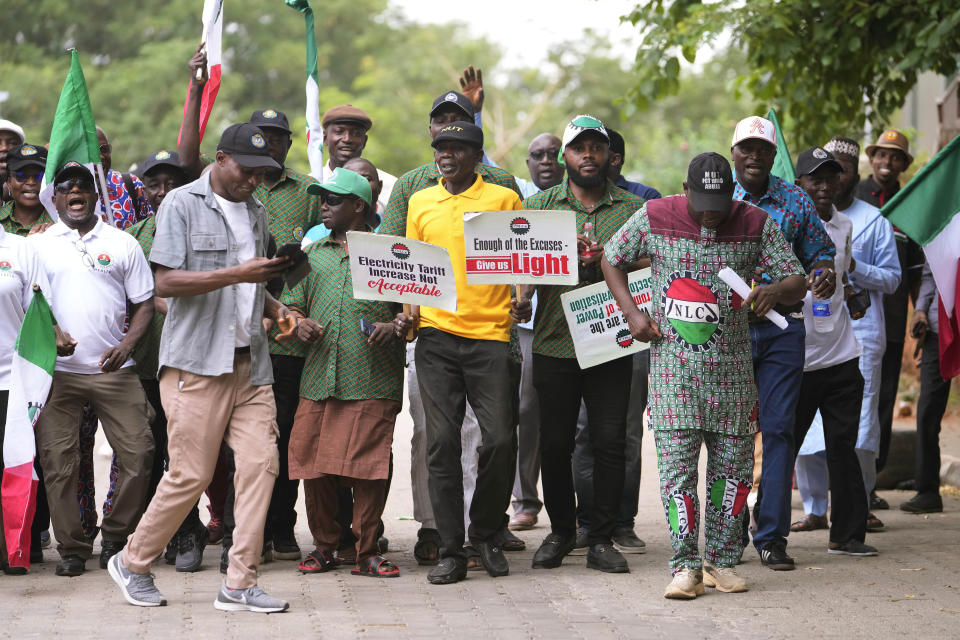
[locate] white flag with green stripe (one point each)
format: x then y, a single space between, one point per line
30 379
314 128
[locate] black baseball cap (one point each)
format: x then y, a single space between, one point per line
270 118
161 158
454 97
71 169
26 155
814 158
460 132
617 144
710 182
245 143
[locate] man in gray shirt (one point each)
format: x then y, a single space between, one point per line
215 374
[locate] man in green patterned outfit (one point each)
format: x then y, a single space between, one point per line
701 379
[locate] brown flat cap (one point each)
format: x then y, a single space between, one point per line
347 113
891 139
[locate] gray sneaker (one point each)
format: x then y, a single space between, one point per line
250 599
138 588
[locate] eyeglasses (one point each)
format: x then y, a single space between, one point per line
25 176
548 153
106 148
332 199
67 185
81 246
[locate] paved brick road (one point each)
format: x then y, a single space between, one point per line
912 590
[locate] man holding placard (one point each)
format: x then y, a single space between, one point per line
465 354
600 209
702 388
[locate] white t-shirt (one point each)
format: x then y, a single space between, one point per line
91 279
238 219
19 271
839 344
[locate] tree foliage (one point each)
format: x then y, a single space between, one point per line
829 65
135 61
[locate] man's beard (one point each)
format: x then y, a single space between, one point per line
589 182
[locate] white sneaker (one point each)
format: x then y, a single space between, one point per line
250 599
723 579
687 584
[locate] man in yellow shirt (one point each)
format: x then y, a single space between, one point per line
466 354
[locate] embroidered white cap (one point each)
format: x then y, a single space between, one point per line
754 127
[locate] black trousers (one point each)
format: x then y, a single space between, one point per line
837 392
605 390
934 392
889 382
282 513
450 370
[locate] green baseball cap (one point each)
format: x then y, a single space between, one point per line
346 183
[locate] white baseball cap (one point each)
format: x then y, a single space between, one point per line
6 125
754 127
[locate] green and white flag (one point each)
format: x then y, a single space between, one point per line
73 137
30 378
782 164
927 209
314 128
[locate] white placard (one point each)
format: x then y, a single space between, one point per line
521 247
396 269
597 326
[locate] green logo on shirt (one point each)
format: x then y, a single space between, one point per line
5 266
104 260
693 311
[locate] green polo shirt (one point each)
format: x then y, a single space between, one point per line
551 335
11 225
146 355
342 364
291 212
395 217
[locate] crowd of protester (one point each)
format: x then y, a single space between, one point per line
179 337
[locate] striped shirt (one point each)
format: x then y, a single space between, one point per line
291 211
551 336
342 364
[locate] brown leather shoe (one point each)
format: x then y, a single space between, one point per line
810 522
522 521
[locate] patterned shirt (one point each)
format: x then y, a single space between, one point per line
395 217
792 209
12 225
701 373
146 354
291 211
551 335
126 209
342 364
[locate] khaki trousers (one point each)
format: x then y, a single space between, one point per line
202 412
121 405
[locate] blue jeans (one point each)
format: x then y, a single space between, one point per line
778 369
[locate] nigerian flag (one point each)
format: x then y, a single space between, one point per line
782 164
927 209
30 379
73 137
314 128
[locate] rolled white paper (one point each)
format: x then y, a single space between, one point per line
736 283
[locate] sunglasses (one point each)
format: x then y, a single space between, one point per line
332 199
106 148
546 153
81 246
67 186
26 176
